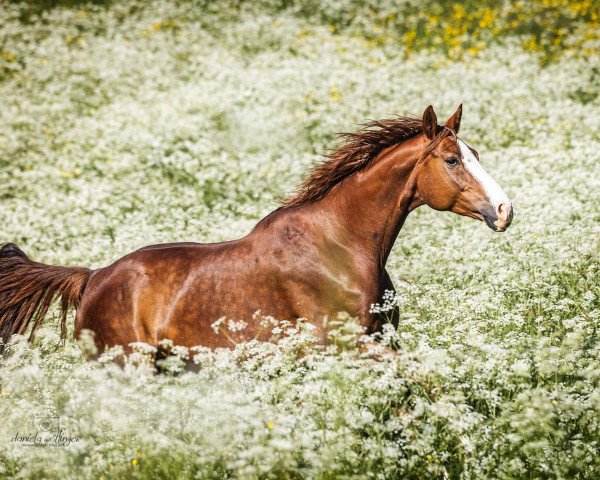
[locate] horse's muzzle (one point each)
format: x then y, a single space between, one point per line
499 220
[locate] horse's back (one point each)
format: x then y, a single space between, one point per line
174 291
177 291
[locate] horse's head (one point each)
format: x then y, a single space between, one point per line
451 178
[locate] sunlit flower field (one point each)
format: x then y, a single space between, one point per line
130 123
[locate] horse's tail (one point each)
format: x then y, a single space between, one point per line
27 289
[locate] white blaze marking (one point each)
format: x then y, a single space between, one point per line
495 194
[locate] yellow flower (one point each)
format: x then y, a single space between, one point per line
134 461
270 425
487 18
459 11
334 93
9 57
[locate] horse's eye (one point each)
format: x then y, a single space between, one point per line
452 162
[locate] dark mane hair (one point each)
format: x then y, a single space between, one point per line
358 151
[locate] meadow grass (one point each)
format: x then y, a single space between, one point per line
129 123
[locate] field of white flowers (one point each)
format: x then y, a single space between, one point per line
131 123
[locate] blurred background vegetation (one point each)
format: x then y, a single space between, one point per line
466 27
548 28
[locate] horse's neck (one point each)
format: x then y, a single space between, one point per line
369 208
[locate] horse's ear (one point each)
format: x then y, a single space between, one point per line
429 122
453 122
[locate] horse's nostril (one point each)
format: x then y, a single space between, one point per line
503 211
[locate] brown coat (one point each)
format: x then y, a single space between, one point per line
322 252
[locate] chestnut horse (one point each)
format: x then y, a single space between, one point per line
323 251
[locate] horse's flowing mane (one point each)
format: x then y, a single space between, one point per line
357 152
